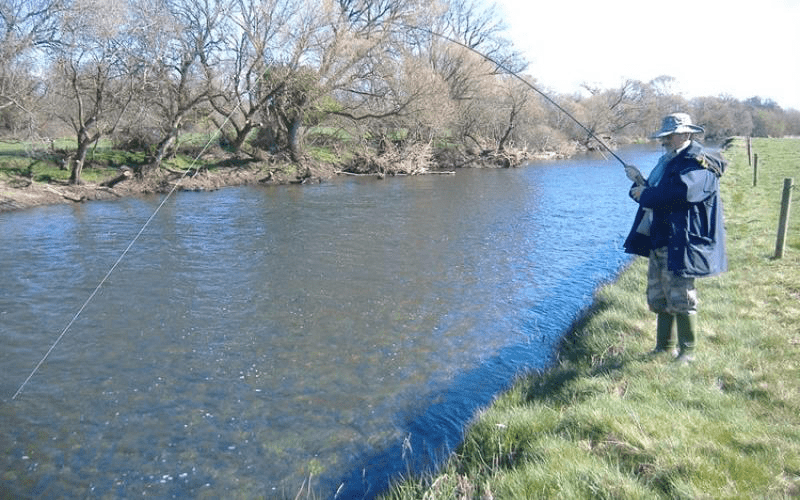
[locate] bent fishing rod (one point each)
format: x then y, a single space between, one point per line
518 77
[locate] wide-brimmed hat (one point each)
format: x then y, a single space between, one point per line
677 123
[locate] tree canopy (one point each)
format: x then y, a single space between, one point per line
280 77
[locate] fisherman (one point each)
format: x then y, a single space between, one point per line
679 227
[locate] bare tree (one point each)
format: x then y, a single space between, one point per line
26 24
26 28
721 117
183 39
514 102
338 66
247 83
392 89
472 67
92 76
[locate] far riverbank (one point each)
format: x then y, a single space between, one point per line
19 192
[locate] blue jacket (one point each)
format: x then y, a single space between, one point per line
687 215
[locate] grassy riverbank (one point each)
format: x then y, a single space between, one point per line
36 174
610 422
32 176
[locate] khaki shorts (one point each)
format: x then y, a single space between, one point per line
666 292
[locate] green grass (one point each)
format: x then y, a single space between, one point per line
327 155
42 164
610 422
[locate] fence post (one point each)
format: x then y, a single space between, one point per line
755 170
749 150
783 223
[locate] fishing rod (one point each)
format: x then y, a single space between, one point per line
518 77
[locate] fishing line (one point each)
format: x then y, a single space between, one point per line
518 77
219 128
124 252
130 245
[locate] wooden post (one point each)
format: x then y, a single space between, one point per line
783 223
755 170
749 150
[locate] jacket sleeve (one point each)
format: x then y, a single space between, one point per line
694 185
664 196
630 191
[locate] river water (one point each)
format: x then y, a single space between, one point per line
253 339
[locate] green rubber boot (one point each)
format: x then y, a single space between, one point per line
687 332
665 333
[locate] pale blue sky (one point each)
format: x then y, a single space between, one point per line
711 47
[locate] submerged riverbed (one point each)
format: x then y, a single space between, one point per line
254 339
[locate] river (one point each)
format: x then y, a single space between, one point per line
253 339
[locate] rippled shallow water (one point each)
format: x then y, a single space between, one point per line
253 338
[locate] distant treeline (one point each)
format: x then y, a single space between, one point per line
310 79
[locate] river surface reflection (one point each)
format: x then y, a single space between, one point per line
253 338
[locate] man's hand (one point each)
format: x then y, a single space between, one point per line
636 192
635 175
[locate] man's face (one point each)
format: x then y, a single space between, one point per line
673 141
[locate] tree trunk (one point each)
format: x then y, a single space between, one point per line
241 136
501 146
507 135
124 174
293 137
163 147
78 161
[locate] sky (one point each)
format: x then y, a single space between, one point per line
710 47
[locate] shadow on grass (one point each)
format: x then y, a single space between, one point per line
234 163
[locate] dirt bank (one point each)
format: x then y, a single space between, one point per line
20 193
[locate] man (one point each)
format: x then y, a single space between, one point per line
679 227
